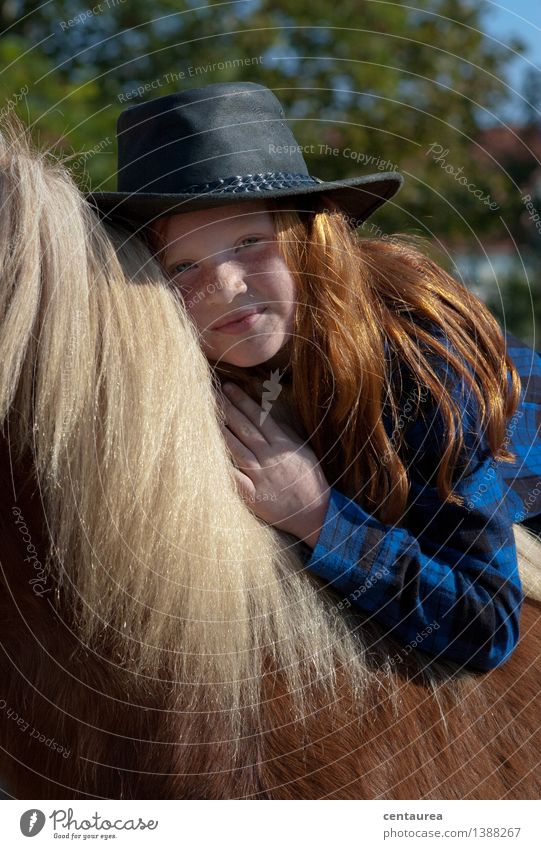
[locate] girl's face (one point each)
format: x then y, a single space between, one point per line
226 262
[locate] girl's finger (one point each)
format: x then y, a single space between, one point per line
244 429
252 411
245 486
242 455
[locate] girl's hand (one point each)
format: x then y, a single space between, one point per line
278 476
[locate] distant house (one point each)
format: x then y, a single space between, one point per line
489 267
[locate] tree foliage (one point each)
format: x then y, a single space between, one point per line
366 84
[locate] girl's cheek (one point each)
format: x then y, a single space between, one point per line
192 295
195 307
190 302
267 255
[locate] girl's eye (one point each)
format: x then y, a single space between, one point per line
249 240
182 266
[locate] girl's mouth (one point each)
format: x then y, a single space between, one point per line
242 324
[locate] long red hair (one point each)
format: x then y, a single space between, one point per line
368 311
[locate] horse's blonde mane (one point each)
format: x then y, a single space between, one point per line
529 561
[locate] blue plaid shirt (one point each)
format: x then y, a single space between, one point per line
446 579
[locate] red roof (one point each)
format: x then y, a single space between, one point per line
509 143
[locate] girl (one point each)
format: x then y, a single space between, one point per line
366 392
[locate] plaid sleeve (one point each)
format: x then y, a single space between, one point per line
446 580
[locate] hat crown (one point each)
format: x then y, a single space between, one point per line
220 144
204 135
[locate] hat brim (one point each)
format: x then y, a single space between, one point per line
358 197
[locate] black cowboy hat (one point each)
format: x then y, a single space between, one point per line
218 144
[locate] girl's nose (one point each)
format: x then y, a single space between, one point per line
228 281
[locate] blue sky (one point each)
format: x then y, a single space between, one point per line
507 18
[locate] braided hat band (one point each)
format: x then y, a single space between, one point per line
252 183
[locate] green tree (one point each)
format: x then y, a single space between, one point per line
380 80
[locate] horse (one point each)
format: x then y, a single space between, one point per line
157 639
